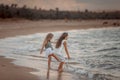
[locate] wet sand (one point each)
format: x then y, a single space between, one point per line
9 71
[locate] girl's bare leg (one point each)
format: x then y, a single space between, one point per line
49 61
55 57
60 68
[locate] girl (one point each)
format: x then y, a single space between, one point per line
48 48
62 42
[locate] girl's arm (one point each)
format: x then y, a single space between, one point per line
65 46
42 47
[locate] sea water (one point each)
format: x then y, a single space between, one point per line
95 53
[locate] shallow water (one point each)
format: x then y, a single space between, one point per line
95 53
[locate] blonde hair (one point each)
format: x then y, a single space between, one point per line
49 35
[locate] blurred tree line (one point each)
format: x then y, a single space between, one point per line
13 11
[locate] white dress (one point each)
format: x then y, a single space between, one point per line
58 52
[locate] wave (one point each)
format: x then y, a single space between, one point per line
108 49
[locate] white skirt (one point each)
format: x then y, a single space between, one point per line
60 57
48 51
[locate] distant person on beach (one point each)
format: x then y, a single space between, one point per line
48 48
61 43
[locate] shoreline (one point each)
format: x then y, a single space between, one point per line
18 28
9 71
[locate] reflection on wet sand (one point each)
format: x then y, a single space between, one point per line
59 75
48 73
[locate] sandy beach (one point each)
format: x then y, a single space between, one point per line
15 27
8 28
9 71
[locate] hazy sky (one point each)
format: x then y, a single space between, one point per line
69 4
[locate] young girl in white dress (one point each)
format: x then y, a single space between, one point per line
61 43
48 48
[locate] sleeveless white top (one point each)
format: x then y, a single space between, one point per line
58 52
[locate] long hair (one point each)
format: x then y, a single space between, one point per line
49 35
62 37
